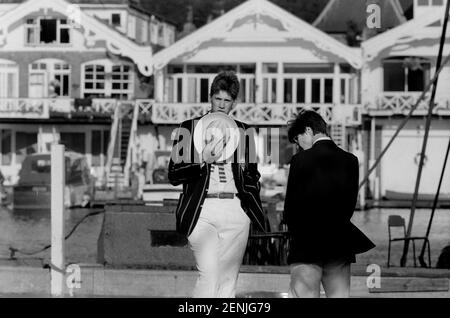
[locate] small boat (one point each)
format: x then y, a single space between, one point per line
395 195
33 190
158 192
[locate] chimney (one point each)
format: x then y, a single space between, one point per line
188 26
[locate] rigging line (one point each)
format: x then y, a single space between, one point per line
436 198
15 250
419 100
425 139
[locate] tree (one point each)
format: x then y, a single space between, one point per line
175 10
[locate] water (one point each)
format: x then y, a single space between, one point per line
374 224
30 231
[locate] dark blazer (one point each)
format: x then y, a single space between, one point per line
195 182
320 200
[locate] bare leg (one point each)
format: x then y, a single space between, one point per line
336 279
305 281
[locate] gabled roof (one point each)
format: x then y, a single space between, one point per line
290 26
420 28
92 29
337 13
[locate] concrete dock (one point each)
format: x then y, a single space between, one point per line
254 281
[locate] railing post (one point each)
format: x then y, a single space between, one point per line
57 262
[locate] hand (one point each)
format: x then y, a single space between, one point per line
212 151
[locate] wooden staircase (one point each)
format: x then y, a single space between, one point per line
123 121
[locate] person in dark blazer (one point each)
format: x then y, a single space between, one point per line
219 200
321 196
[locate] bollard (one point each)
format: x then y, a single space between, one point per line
57 262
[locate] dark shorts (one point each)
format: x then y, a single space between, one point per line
321 262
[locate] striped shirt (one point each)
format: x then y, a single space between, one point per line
221 179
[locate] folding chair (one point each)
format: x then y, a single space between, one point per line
398 221
268 248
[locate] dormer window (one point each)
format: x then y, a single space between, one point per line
47 31
406 74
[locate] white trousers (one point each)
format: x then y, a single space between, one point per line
218 241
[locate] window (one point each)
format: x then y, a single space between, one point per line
32 31
247 69
49 78
328 98
406 74
94 81
246 89
104 79
270 68
47 31
301 90
73 141
6 137
174 69
154 31
9 79
171 36
315 90
297 68
26 144
115 19
194 82
288 90
161 34
204 90
210 69
144 31
270 71
41 165
192 90
121 81
131 26
269 90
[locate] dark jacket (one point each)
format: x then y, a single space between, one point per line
195 182
320 200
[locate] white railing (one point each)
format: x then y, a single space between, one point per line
132 144
145 106
402 102
42 107
104 105
273 114
24 108
175 113
172 113
112 141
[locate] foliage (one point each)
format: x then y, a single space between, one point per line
176 10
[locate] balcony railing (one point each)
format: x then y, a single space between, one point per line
175 113
400 103
273 114
33 108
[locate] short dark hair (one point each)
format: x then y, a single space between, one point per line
225 81
306 118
